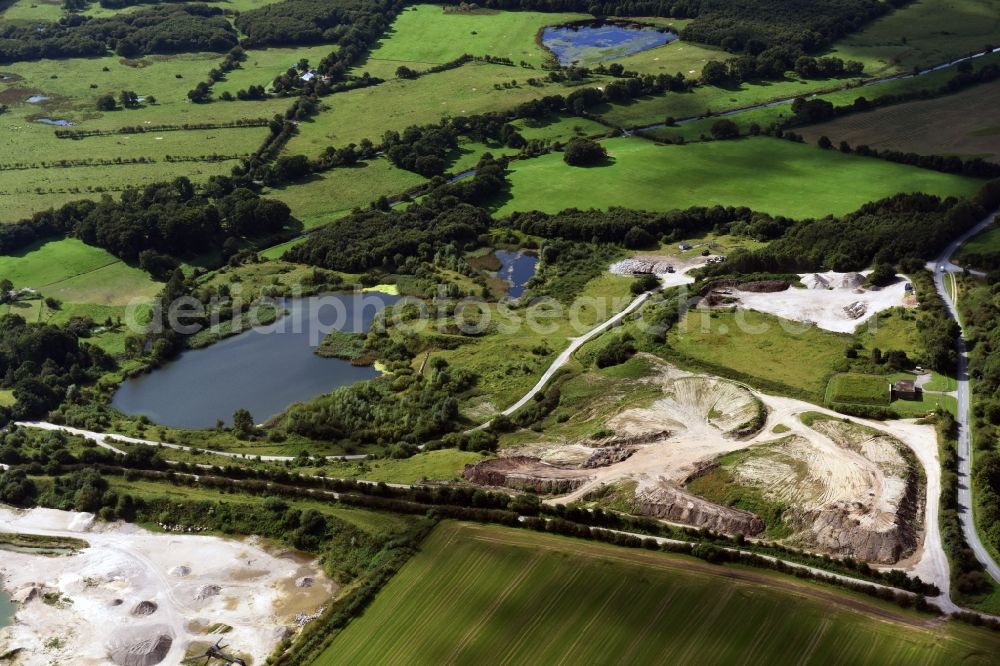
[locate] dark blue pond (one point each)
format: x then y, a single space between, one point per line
264 370
516 268
587 44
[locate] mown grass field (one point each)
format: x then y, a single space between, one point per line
24 11
74 272
477 594
964 124
327 196
772 353
858 389
768 175
427 35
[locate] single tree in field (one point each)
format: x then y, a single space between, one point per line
106 103
714 73
584 152
243 425
725 129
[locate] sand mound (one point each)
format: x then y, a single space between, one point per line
692 403
851 280
815 281
141 646
144 608
115 602
180 571
305 581
206 591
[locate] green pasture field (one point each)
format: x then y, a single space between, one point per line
262 66
480 593
427 35
964 124
771 115
651 110
987 241
924 33
397 104
858 389
67 85
74 272
688 58
33 11
327 196
769 175
893 329
29 191
765 351
559 128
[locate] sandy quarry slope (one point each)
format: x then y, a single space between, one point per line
864 499
138 598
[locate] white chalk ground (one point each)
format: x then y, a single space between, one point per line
195 581
824 307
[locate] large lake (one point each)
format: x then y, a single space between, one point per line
264 370
591 43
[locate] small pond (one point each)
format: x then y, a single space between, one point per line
516 268
591 43
264 370
58 122
37 99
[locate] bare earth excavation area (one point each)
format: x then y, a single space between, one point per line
135 598
839 486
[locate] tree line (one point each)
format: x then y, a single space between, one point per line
174 219
168 28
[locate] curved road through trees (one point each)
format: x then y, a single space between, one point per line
944 270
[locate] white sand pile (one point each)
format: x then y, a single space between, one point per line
815 281
851 281
144 608
141 646
832 301
206 591
180 571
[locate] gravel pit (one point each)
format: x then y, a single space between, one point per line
141 646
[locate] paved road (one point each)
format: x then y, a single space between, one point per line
102 441
944 270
